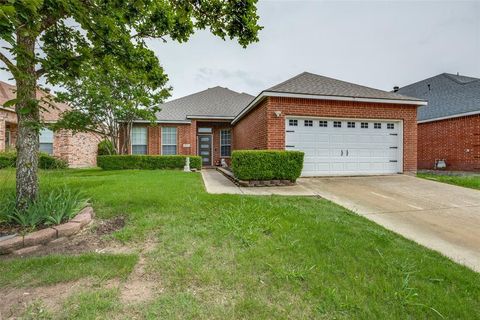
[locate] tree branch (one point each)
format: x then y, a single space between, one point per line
13 69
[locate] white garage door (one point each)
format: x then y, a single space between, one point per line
346 146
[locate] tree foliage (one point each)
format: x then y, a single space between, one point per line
58 38
106 97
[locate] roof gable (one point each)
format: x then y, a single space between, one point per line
51 110
213 102
448 96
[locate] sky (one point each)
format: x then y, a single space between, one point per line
378 44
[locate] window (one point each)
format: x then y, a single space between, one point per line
8 138
323 123
225 143
308 123
377 125
293 123
337 124
46 141
350 124
169 140
139 140
364 125
390 126
204 130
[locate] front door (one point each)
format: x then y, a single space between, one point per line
205 149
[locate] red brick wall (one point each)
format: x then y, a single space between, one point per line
455 140
251 131
247 137
184 137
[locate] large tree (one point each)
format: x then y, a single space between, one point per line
106 97
54 38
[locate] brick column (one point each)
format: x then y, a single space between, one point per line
193 138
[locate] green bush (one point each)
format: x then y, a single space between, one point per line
45 161
122 162
51 208
105 148
267 164
7 159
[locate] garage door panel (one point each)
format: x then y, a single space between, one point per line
346 151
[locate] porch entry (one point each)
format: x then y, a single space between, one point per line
205 149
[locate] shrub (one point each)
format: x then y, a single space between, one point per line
45 161
105 148
121 162
51 208
7 159
267 164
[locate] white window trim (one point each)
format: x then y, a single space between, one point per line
231 143
131 140
161 141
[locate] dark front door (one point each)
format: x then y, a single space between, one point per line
205 149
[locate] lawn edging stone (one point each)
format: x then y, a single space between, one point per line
254 183
22 244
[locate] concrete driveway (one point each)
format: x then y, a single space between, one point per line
442 217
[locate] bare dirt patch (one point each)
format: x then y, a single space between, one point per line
105 227
141 285
16 300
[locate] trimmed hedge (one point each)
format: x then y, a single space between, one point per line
267 164
122 162
45 161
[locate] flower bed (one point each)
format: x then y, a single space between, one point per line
22 244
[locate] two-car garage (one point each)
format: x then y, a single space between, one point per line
343 128
338 146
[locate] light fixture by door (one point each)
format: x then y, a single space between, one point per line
278 113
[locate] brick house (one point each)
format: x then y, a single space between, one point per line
343 128
449 126
79 150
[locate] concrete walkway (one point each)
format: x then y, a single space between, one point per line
217 183
442 217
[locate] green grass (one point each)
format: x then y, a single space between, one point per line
252 257
472 182
57 268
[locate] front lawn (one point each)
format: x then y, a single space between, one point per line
243 257
472 182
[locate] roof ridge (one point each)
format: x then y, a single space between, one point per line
452 76
283 82
188 95
417 82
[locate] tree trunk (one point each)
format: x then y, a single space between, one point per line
28 116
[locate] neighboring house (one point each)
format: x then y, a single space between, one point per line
79 150
449 126
343 128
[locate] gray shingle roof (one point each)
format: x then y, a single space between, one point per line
309 83
216 102
448 95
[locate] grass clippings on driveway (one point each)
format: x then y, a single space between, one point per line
255 257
